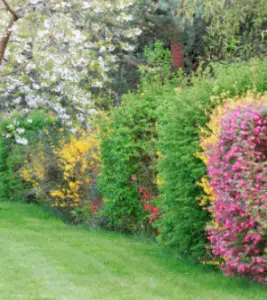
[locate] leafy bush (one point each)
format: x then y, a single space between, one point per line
182 223
237 169
128 148
42 161
63 170
17 136
128 158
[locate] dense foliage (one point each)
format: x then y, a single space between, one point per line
235 155
41 161
183 221
179 150
230 29
128 160
71 56
128 148
16 133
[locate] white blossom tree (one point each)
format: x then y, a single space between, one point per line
54 53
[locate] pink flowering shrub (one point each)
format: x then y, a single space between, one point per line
237 168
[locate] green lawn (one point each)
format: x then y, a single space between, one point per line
43 258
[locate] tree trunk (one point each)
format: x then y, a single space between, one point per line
5 39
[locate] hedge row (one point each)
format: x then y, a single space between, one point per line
183 221
154 136
150 170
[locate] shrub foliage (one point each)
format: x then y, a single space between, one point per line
128 158
128 178
182 223
149 166
14 134
42 161
235 155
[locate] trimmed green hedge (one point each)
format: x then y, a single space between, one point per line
128 157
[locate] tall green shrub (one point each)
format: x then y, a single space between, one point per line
182 222
127 152
128 146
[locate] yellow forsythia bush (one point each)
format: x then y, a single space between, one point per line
34 170
63 169
78 161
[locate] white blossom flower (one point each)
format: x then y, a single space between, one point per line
73 130
20 130
98 84
21 141
92 111
17 100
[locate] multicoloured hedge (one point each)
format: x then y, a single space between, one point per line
182 223
235 153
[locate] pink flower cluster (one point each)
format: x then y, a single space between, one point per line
237 167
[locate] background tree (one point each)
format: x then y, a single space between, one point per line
59 53
69 55
232 28
108 39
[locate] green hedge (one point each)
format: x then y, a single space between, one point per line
127 150
129 146
183 221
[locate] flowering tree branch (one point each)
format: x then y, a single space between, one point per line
10 9
62 52
6 37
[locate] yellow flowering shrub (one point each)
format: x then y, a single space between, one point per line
34 170
64 168
78 161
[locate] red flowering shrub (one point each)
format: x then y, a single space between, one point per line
147 199
237 167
